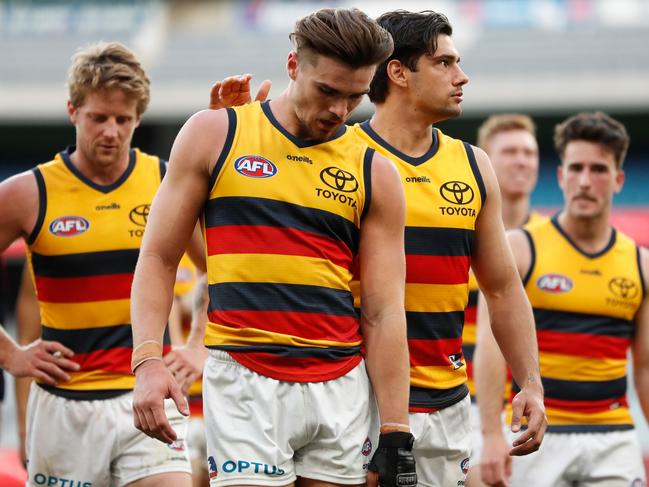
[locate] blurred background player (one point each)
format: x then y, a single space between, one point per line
82 216
587 284
510 142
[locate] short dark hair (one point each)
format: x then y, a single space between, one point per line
597 127
345 34
414 34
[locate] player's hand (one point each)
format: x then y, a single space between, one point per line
44 360
393 464
186 364
495 462
528 403
153 384
235 90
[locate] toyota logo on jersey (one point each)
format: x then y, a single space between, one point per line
255 167
69 226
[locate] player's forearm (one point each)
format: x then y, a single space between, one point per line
7 348
490 376
388 365
151 297
512 324
641 382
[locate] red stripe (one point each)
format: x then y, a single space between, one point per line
437 269
295 369
433 352
585 407
84 289
470 313
582 344
311 326
258 239
195 406
116 360
469 368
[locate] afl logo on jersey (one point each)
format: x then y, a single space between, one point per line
69 226
255 167
554 283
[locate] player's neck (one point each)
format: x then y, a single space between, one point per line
589 234
104 174
402 129
515 211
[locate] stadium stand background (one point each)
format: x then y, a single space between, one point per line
548 58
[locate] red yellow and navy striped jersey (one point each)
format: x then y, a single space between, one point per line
469 335
444 195
282 228
82 253
584 306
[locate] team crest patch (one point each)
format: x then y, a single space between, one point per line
367 448
464 465
255 167
554 283
69 226
211 464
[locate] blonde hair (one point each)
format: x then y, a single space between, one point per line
107 65
505 122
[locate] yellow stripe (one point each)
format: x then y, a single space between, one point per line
355 288
93 314
435 298
273 268
196 388
224 335
620 415
556 417
437 377
570 367
469 334
95 380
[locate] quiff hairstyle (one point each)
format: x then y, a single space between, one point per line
347 35
414 34
107 65
504 122
597 127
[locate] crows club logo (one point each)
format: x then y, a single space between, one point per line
69 226
367 447
554 283
457 192
340 180
255 167
211 465
464 465
140 214
623 288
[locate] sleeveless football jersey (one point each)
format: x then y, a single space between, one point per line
282 229
469 335
584 307
444 195
82 253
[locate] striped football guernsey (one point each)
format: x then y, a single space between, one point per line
444 195
584 306
469 335
82 253
282 229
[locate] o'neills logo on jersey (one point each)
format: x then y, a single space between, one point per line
255 167
69 226
554 283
